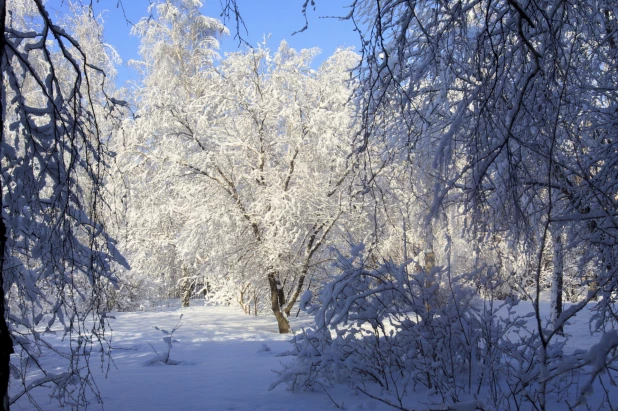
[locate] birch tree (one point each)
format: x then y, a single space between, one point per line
514 103
178 49
56 256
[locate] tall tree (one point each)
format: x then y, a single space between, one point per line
55 254
514 102
254 148
178 50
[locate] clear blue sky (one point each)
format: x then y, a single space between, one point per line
279 18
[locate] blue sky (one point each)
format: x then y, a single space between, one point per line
279 18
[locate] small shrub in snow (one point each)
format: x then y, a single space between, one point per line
168 339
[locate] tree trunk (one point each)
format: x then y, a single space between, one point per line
557 277
430 262
275 297
241 300
430 256
280 291
6 343
255 302
186 294
186 288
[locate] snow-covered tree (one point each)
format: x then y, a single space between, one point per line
56 256
178 48
248 156
514 105
274 159
507 112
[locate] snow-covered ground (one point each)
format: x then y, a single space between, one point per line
226 363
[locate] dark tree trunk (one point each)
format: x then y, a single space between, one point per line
557 278
6 343
430 262
186 293
280 294
275 298
185 286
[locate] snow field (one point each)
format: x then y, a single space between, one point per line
223 366
227 361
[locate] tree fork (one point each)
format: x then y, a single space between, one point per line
311 249
299 287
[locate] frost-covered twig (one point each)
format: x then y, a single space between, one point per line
168 340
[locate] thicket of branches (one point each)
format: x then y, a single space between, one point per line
469 152
504 114
56 257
